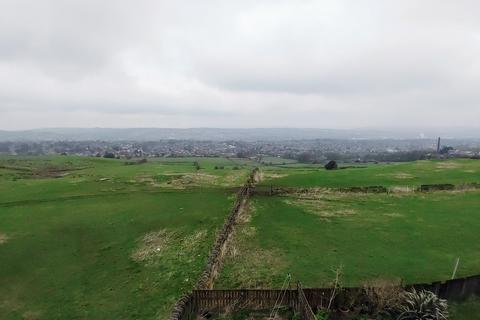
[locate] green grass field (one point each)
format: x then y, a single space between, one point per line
93 238
411 236
45 178
468 310
397 174
98 239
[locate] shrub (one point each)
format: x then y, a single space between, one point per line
196 165
331 165
383 295
421 305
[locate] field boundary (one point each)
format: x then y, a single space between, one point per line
277 190
219 301
183 307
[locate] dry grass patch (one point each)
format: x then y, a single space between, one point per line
321 208
190 242
242 231
182 181
246 215
402 189
272 175
383 293
448 165
233 178
393 215
396 175
193 179
152 245
403 175
164 243
3 238
143 179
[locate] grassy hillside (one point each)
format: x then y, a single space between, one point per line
414 237
398 174
102 238
99 239
47 178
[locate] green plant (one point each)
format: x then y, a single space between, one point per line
322 315
422 305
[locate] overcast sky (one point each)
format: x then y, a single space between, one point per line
300 63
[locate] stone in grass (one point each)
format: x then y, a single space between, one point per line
331 165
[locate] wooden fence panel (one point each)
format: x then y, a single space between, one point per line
262 299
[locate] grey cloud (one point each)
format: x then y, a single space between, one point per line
239 63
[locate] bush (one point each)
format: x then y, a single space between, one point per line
383 295
421 305
331 165
196 165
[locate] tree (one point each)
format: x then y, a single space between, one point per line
331 165
196 165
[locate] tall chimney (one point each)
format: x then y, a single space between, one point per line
438 145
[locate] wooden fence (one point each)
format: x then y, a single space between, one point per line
218 301
455 289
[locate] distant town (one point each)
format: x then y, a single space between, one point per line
305 151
